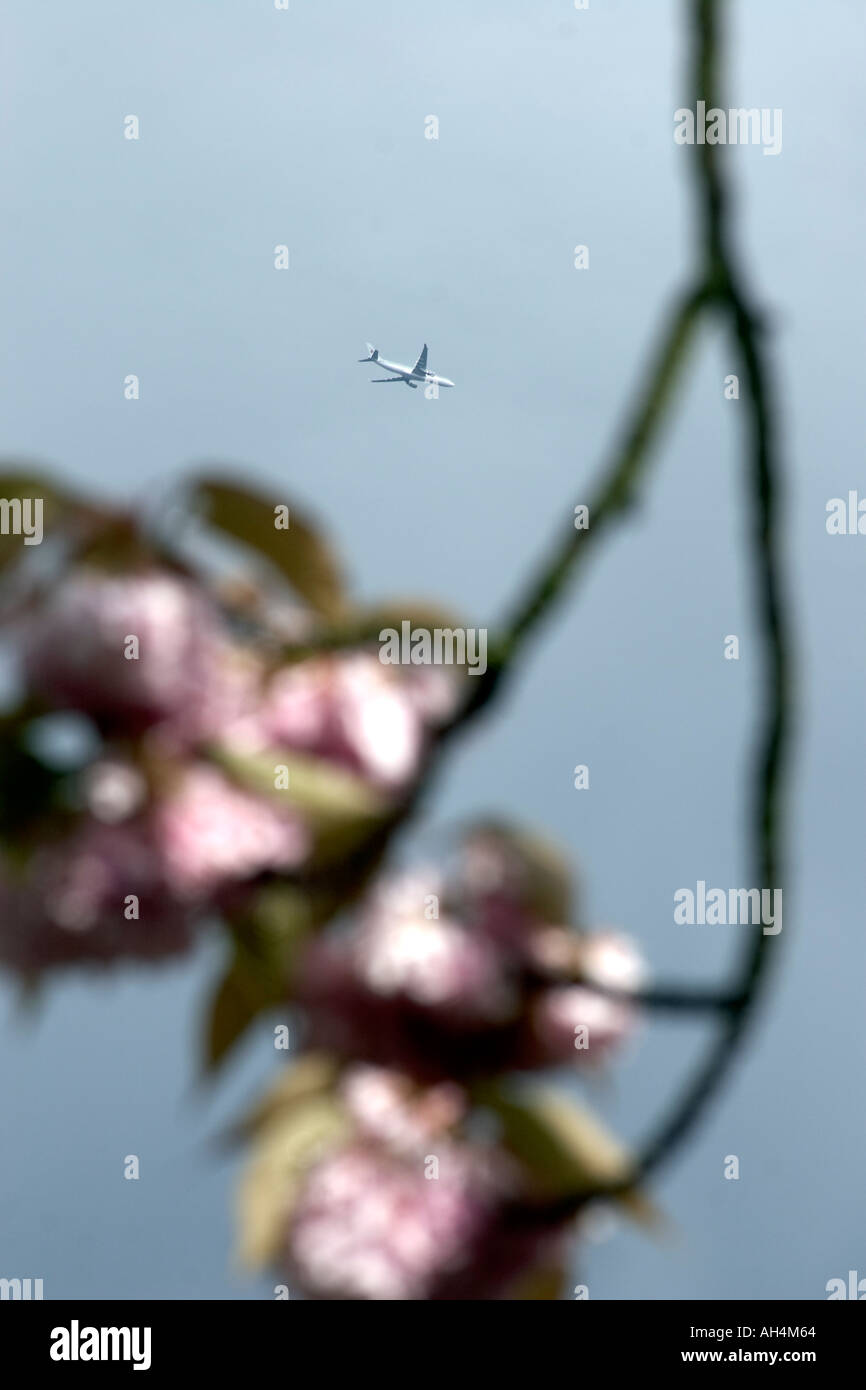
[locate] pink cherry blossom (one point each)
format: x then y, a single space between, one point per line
404 989
210 834
573 1022
386 1106
349 709
370 1224
440 996
77 652
96 895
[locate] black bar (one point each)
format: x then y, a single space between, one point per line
245 1338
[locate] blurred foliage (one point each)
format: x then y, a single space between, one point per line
297 551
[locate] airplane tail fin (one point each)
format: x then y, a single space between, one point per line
374 354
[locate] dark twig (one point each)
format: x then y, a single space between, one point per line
731 300
723 291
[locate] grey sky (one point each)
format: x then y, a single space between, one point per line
156 257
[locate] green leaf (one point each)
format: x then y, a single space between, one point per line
288 1144
269 935
362 626
313 1074
240 996
299 552
564 1148
547 880
28 486
548 877
341 809
546 1283
421 613
273 928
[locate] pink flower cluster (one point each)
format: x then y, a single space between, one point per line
440 984
162 833
452 980
406 1209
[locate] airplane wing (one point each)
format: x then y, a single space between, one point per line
375 379
421 364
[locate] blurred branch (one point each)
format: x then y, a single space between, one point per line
670 998
616 495
747 331
722 290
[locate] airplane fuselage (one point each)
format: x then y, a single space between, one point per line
420 378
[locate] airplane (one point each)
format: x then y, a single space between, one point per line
410 376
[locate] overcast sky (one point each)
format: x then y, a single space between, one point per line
156 257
